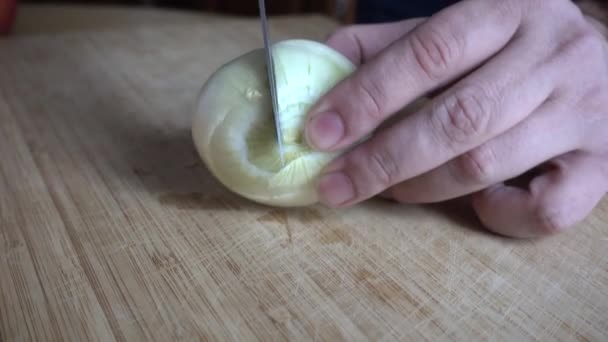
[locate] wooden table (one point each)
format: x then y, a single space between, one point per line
112 230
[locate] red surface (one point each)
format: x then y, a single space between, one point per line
8 9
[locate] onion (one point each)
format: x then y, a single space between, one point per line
233 128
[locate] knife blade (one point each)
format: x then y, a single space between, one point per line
271 78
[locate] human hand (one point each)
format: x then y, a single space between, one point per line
520 83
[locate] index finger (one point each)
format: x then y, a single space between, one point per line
361 43
435 53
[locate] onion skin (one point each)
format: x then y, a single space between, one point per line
234 102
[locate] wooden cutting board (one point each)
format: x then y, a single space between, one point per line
111 229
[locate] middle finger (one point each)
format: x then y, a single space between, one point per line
546 134
480 107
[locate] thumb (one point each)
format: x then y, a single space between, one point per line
557 200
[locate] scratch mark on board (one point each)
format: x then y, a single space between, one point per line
278 216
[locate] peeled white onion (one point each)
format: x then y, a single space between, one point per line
233 128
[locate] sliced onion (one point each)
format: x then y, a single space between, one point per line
233 128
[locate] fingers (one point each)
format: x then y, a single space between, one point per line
437 51
479 108
556 201
359 43
546 134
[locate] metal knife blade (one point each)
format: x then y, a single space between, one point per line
271 78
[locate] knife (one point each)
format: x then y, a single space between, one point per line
271 78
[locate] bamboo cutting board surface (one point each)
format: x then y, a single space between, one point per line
111 229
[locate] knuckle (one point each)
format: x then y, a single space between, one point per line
589 52
462 116
565 9
584 45
346 41
513 8
383 166
435 51
551 220
592 104
477 166
372 98
589 43
553 7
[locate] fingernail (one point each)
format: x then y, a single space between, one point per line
325 130
335 189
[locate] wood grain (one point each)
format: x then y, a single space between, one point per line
111 229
